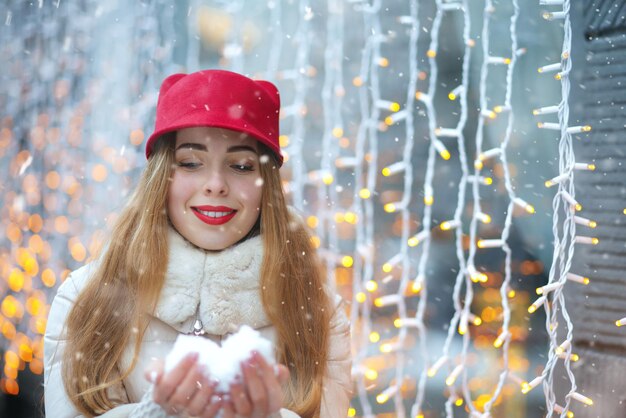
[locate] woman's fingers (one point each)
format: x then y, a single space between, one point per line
212 407
202 398
282 373
154 371
168 383
187 389
239 399
268 375
255 387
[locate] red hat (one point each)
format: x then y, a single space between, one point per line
221 99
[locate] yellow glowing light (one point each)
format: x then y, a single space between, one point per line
526 387
387 267
389 208
383 62
386 172
382 398
394 107
592 224
532 309
491 114
136 137
429 200
486 219
507 61
595 241
361 297
78 251
450 380
462 329
416 287
48 278
488 181
371 374
11 359
386 348
374 337
397 322
477 321
365 194
445 226
315 241
99 172
586 128
451 96
16 280
347 261
351 412
530 209
339 217
459 402
413 242
431 53
337 132
371 286
350 217
357 81
328 179
480 243
312 221
498 342
283 140
389 121
498 109
445 154
418 95
574 357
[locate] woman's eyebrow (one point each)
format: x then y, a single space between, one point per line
237 148
192 145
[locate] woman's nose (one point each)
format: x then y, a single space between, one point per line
216 184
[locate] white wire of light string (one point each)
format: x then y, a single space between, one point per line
564 236
332 93
365 180
294 109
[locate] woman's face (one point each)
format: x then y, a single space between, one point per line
214 197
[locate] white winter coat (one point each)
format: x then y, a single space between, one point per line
220 288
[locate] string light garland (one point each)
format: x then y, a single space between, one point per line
564 229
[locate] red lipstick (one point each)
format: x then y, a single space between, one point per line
212 220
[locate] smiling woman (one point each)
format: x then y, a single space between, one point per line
205 245
214 198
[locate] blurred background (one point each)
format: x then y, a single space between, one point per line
77 100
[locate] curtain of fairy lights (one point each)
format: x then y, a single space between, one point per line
338 118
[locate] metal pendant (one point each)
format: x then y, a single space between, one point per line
198 328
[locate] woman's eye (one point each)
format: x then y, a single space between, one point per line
243 167
185 164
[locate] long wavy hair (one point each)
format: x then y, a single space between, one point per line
114 308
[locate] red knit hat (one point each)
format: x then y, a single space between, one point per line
220 99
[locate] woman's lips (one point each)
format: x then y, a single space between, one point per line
214 215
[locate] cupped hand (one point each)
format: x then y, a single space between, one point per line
185 390
258 394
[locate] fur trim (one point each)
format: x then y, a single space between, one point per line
222 287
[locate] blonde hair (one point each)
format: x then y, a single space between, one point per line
114 308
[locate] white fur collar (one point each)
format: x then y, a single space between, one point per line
223 287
